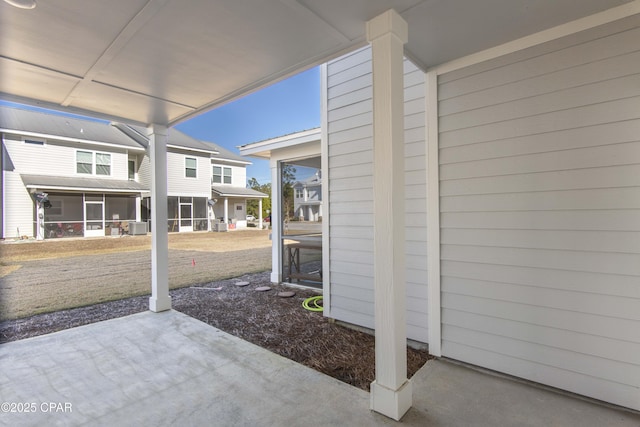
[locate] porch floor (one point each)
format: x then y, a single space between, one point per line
170 369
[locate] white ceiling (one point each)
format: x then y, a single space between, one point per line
164 61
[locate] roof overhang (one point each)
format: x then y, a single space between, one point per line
228 191
63 138
73 184
164 61
264 149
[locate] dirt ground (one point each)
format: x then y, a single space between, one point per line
57 274
66 272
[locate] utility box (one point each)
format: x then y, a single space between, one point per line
137 228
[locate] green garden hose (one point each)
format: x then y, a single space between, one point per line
313 303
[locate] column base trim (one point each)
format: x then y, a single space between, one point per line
275 278
392 403
158 304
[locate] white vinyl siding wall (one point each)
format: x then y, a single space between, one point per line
350 146
58 158
540 213
180 185
18 207
238 174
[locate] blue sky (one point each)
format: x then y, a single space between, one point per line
289 106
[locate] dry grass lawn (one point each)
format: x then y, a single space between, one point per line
39 277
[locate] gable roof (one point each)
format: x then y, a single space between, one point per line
55 126
49 125
227 155
176 139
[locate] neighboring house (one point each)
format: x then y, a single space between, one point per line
229 190
97 177
521 183
307 198
87 168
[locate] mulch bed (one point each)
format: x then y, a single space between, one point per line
280 325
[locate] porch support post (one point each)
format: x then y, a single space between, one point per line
259 214
391 392
160 299
138 207
276 223
226 210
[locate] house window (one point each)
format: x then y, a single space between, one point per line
221 175
299 193
34 142
132 170
86 159
84 162
103 164
190 167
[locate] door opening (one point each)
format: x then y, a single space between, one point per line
301 207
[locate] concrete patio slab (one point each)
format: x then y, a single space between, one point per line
170 369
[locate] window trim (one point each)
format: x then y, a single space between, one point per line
187 168
135 169
223 176
94 163
102 165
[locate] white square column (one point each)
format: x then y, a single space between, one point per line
276 222
259 214
160 299
391 392
138 207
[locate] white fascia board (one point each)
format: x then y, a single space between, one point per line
84 189
591 21
258 149
223 159
243 196
196 150
67 139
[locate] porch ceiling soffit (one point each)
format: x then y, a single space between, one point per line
45 182
164 61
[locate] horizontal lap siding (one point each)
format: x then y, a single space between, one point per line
18 207
179 184
58 158
350 134
540 213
